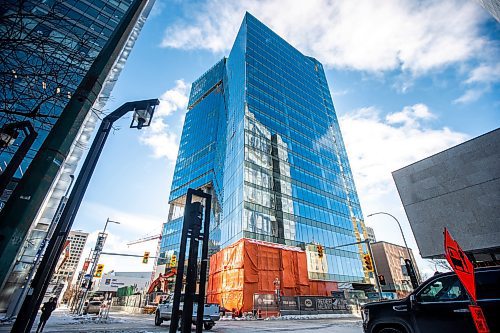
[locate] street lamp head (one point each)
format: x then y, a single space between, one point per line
8 134
143 114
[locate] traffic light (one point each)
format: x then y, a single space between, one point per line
367 261
320 250
381 279
145 258
98 271
195 214
173 261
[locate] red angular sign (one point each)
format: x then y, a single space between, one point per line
479 320
460 264
86 265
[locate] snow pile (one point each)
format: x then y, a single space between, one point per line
65 318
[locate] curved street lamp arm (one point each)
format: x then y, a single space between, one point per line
400 229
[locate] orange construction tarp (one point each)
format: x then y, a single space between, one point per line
249 266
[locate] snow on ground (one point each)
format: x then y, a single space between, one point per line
353 316
318 316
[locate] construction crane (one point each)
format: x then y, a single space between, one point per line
145 239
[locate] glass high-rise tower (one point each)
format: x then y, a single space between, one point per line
262 135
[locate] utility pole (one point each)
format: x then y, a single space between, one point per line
99 245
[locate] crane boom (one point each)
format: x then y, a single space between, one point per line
145 239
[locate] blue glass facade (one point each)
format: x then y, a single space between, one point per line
60 41
48 46
286 176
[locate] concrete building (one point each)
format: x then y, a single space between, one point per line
111 281
68 262
459 189
371 234
389 259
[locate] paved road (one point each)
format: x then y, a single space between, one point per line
61 321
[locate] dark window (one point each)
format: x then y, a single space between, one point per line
488 284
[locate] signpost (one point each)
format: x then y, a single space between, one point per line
464 269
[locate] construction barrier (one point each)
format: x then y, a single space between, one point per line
250 267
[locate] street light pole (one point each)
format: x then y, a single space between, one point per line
404 240
142 117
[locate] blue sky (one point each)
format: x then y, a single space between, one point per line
408 79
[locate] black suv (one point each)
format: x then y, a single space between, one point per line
440 305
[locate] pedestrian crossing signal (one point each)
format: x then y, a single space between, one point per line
145 258
367 261
381 279
98 272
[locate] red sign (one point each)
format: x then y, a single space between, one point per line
86 265
479 320
460 264
66 249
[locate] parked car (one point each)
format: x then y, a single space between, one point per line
439 305
211 312
92 307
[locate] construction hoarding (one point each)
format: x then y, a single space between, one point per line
250 267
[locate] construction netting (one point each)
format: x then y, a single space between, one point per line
249 267
125 291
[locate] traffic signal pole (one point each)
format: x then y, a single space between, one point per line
374 268
367 242
95 259
99 245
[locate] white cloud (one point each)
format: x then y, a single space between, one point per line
469 96
173 99
485 74
410 115
377 146
479 82
158 7
132 227
365 35
338 93
160 136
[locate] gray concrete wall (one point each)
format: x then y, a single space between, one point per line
458 188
